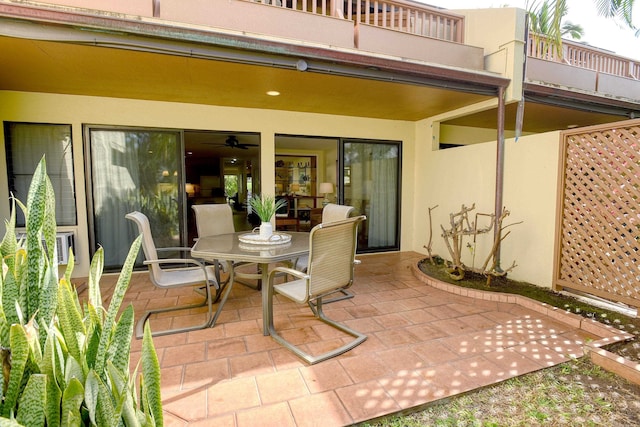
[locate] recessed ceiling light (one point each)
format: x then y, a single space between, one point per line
273 93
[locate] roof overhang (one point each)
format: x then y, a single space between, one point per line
324 80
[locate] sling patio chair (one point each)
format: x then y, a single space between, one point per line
197 274
332 250
330 213
216 219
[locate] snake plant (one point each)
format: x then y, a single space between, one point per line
66 362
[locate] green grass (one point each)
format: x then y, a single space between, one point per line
576 393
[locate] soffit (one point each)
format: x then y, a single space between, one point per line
538 118
57 67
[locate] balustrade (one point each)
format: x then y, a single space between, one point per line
392 14
583 56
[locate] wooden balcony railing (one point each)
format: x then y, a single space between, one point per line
583 56
397 15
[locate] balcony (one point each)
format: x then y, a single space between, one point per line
583 67
397 28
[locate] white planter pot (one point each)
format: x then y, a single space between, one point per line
266 230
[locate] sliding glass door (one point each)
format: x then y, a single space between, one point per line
134 169
371 183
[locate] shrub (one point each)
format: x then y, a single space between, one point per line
63 362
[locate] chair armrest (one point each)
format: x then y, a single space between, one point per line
173 249
291 271
175 261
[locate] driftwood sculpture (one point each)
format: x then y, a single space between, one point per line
462 229
428 246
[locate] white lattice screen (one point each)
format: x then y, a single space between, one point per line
598 240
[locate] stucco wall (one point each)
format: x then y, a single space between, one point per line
466 175
503 44
79 110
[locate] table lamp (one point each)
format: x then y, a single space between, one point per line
325 188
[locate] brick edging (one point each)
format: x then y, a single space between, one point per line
610 335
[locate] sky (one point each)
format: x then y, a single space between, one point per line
598 31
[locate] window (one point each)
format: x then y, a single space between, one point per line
26 143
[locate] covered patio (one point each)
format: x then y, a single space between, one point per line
426 341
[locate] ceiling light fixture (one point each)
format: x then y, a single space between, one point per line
273 93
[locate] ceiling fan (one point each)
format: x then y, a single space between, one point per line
233 142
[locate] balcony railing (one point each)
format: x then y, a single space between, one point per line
579 55
397 15
404 16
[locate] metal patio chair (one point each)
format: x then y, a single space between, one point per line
330 213
216 219
196 274
332 250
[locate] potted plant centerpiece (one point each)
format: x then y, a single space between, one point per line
265 207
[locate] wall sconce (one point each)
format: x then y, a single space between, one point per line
325 188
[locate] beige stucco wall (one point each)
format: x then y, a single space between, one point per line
503 44
79 110
466 175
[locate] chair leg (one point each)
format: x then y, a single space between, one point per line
345 295
219 290
251 276
207 301
317 310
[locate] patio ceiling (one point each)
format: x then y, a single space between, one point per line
55 67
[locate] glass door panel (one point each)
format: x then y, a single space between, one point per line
371 183
133 169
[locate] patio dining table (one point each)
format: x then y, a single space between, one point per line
229 247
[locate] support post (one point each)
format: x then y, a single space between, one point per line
499 174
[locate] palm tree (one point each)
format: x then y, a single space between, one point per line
546 18
543 18
620 10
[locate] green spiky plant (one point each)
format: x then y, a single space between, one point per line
65 363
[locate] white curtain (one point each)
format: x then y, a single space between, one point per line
373 190
383 196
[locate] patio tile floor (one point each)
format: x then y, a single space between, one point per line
423 344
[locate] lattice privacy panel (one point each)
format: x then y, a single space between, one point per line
598 242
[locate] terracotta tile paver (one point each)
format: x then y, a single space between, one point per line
319 410
426 341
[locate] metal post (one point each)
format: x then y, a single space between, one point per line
499 174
